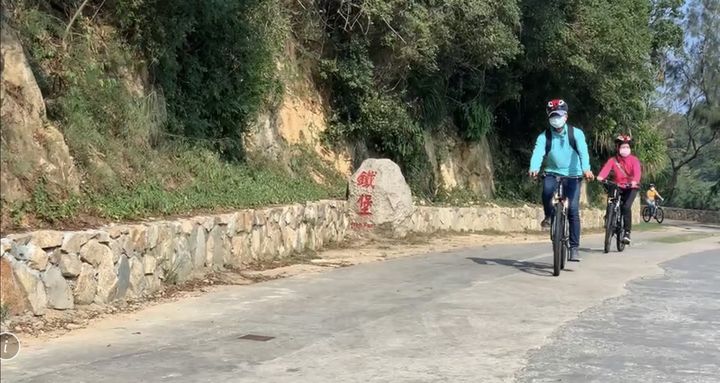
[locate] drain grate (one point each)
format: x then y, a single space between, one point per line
259 338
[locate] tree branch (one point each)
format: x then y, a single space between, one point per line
696 151
72 21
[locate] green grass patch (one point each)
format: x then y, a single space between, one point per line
648 226
210 184
684 238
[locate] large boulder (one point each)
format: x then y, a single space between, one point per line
59 294
31 286
11 291
85 286
379 195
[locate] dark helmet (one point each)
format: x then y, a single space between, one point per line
652 186
556 105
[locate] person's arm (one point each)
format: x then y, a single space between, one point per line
605 171
637 171
583 149
538 154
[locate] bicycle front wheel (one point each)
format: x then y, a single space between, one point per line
620 233
609 227
566 243
646 214
558 230
659 215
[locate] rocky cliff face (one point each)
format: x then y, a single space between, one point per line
461 165
35 151
32 149
299 118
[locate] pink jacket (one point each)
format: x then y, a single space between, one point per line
628 170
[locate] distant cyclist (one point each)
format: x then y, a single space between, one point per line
626 172
566 153
651 198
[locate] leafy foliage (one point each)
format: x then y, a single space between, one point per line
396 69
213 59
692 129
393 70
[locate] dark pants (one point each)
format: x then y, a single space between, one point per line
627 197
572 192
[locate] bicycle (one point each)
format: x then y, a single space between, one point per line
559 224
614 223
659 214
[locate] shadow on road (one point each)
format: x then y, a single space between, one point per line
535 268
589 250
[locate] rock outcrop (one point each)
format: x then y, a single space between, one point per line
32 149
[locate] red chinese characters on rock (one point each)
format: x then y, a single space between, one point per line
366 179
365 204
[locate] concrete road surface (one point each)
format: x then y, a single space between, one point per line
495 314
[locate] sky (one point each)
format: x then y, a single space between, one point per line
666 98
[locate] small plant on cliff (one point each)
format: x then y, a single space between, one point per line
4 312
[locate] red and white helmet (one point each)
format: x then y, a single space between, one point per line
556 105
623 139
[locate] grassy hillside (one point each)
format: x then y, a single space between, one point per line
115 123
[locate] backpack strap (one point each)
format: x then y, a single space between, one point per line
571 137
548 141
622 170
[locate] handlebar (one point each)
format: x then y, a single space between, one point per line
559 177
622 186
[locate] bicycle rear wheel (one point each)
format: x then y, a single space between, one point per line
558 230
646 214
619 234
659 215
566 243
609 227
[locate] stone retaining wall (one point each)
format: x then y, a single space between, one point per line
476 219
705 216
58 270
427 220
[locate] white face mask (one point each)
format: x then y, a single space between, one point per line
558 122
624 152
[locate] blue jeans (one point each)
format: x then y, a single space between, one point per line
572 192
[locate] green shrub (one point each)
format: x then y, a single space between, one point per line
214 60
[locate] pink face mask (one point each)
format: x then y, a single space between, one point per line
624 152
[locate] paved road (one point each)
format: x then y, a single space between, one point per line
477 315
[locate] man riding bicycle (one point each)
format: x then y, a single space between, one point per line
626 172
651 198
566 153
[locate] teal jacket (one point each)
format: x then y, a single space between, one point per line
561 159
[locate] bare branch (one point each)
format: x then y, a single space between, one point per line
393 30
72 21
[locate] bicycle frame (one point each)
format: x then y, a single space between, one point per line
613 202
560 230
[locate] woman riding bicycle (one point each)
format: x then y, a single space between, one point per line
626 174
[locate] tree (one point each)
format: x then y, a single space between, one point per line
695 84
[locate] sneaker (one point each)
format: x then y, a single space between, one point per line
574 255
626 239
545 223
